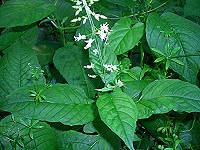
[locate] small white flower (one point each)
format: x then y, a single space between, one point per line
76 19
84 19
78 11
104 27
95 51
119 83
102 35
96 16
92 76
79 37
89 66
89 43
103 17
111 67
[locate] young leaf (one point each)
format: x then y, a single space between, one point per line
23 12
118 111
43 138
161 96
124 36
64 103
159 59
178 61
72 68
183 33
15 72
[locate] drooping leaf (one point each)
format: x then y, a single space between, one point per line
192 8
64 11
12 35
23 12
119 112
76 140
183 34
14 69
44 51
107 139
70 62
134 88
189 134
124 36
63 103
43 136
162 96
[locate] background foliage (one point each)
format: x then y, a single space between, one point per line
49 101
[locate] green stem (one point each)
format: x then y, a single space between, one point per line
95 39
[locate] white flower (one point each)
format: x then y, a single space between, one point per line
96 16
89 43
111 67
80 37
92 76
119 83
104 27
89 66
78 11
76 19
103 17
84 19
95 51
102 35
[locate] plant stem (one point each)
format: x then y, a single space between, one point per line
95 40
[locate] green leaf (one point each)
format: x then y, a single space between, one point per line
64 103
70 62
118 111
15 71
126 3
159 59
134 88
178 62
76 140
8 39
45 50
124 36
162 96
43 138
192 8
182 33
108 139
189 134
23 12
10 36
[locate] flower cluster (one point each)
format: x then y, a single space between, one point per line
80 4
101 32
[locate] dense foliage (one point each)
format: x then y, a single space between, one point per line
106 75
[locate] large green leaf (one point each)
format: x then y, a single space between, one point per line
107 139
124 36
70 62
161 96
192 8
183 34
118 111
73 140
14 69
125 3
10 36
14 131
63 103
23 12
